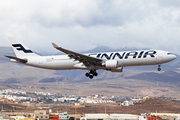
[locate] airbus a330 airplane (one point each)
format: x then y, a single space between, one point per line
111 61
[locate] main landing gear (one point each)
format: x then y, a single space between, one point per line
159 67
91 74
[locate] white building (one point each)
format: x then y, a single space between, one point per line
110 117
95 117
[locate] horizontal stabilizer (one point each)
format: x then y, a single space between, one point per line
17 59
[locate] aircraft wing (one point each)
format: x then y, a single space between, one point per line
86 60
17 59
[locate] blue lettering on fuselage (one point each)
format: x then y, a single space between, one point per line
107 57
126 55
98 55
120 56
134 54
140 54
151 53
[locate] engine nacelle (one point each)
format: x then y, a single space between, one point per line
119 69
111 64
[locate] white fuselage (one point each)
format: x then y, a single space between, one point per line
127 58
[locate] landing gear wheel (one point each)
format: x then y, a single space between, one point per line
95 74
159 69
92 72
87 74
91 76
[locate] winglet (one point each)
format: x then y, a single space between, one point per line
55 46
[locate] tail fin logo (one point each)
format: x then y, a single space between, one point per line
19 47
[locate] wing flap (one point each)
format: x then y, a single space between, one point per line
86 60
17 59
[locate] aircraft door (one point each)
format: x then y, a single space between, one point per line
159 57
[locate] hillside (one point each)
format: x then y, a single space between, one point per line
150 106
167 76
10 71
17 73
143 81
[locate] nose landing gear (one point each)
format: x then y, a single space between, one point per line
91 74
159 67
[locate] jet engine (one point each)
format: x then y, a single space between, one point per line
119 69
111 64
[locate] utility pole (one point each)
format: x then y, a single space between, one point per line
75 110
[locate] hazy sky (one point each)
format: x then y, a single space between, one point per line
80 25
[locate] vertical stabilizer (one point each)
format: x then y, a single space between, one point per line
20 49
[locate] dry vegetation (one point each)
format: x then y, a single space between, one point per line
151 105
112 87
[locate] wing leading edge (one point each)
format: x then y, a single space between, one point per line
86 60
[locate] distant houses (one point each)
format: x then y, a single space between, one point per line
20 96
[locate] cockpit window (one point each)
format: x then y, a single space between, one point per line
169 54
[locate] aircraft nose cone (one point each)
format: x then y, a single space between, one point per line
174 57
170 57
